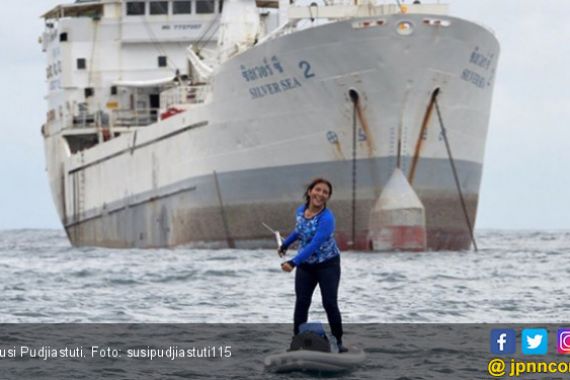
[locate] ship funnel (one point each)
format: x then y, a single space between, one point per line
239 27
397 221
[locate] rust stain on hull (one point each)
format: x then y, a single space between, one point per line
419 143
364 123
338 151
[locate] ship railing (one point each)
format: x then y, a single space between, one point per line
90 120
117 118
184 95
283 30
134 118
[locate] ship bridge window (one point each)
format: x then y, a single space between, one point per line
63 37
162 61
205 6
81 63
182 7
135 8
158 7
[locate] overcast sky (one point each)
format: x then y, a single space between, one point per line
526 178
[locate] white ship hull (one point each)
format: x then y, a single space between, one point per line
211 175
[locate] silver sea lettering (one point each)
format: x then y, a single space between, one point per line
274 88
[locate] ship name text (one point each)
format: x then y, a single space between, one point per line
482 61
269 68
274 88
181 27
53 70
263 70
473 78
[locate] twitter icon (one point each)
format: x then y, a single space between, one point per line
534 341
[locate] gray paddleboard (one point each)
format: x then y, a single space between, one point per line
305 360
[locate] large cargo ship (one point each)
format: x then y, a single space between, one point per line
192 122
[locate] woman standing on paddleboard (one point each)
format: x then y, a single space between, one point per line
318 258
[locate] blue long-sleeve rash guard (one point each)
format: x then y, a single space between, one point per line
316 236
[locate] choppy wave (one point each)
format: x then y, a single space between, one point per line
517 276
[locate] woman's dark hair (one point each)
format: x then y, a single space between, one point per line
314 183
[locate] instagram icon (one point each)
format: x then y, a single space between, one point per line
563 341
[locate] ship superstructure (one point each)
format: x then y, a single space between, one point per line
192 122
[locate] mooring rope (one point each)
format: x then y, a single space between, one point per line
452 162
354 97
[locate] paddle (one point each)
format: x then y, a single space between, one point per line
278 238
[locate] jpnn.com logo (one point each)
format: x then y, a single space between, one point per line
503 341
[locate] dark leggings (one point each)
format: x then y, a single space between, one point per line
327 275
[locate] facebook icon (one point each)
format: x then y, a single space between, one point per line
503 341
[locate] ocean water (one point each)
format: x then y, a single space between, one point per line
416 315
517 276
